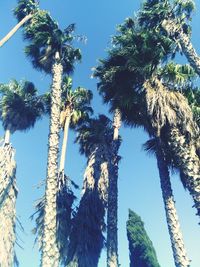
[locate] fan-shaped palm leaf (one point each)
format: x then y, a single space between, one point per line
20 106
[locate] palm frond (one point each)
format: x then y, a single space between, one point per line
45 39
20 106
94 132
25 7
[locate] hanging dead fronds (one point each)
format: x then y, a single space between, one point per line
167 108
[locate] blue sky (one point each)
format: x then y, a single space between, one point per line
139 187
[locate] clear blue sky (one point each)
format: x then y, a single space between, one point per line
139 187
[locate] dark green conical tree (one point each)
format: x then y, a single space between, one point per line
86 239
50 50
20 108
141 250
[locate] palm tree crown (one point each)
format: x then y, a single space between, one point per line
25 7
46 38
20 106
94 132
75 102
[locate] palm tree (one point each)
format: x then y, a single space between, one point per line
74 110
126 81
20 108
50 50
24 11
135 64
86 239
163 161
172 19
189 156
112 213
115 82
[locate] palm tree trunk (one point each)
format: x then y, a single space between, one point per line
112 214
7 136
64 144
189 163
8 195
186 45
15 29
179 252
50 253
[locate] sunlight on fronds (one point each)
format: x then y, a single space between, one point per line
166 107
177 75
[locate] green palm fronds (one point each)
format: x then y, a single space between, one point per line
20 106
25 7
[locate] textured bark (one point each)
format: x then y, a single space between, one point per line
116 124
64 144
15 29
97 171
50 254
177 33
8 195
92 171
179 252
86 239
112 215
187 160
7 137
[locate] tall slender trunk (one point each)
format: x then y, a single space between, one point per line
179 252
8 195
15 29
64 144
50 253
188 161
112 214
7 136
177 32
